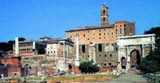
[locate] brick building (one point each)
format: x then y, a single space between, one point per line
10 67
104 33
99 42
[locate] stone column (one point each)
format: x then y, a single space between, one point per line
143 50
90 53
128 59
94 54
16 47
92 46
77 51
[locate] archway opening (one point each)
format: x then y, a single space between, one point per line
123 63
135 58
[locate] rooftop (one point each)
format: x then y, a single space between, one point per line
89 28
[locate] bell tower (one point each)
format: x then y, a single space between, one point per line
104 15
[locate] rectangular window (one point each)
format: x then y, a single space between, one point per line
120 30
130 30
124 31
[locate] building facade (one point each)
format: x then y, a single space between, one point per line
98 43
57 58
29 47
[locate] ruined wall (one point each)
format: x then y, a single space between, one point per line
103 54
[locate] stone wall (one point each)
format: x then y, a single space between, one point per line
104 54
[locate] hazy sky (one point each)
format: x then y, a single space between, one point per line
33 19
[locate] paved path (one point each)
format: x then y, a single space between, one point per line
124 78
129 78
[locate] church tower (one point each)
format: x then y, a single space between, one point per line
104 15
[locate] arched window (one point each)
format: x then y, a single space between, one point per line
104 19
104 11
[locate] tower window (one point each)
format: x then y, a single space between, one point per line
99 34
88 55
104 11
104 19
105 55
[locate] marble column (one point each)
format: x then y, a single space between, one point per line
16 47
77 51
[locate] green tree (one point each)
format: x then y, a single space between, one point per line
41 50
154 30
7 46
21 39
151 63
88 67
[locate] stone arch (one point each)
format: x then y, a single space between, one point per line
123 62
135 57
